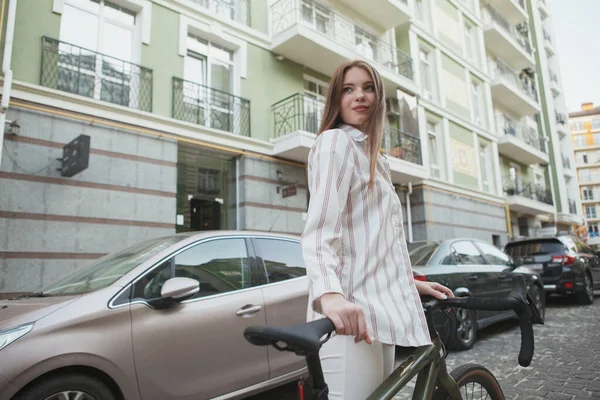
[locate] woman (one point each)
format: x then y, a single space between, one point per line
353 243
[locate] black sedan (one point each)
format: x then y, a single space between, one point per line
471 267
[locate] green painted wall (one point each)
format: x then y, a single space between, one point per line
34 19
162 56
259 15
267 82
465 139
455 87
402 39
448 25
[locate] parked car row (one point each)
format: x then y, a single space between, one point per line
163 319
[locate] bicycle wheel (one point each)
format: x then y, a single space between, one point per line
475 382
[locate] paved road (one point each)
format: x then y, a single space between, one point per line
566 363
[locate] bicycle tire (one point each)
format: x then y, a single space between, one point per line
476 374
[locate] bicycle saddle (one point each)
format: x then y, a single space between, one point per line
303 339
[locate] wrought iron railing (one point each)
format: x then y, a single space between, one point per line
84 72
297 112
522 188
300 112
522 132
512 30
236 10
401 145
286 14
525 85
203 105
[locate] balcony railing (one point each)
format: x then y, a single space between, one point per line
203 105
401 145
522 132
300 112
297 112
286 14
520 187
512 30
572 207
561 119
236 10
84 72
524 84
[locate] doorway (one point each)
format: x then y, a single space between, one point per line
205 214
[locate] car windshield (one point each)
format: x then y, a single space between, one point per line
420 252
106 270
529 248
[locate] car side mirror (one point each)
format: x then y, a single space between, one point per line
176 290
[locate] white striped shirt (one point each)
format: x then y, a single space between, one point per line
353 242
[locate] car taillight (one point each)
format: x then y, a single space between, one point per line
420 277
564 260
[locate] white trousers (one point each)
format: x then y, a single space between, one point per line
353 370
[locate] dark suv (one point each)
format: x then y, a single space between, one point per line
566 264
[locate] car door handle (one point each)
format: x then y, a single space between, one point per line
473 278
503 276
248 310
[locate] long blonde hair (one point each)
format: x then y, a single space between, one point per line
373 126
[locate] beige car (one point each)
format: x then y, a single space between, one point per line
161 320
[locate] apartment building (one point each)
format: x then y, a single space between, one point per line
585 133
200 115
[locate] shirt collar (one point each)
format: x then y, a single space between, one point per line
356 134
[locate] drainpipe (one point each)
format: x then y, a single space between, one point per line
237 193
409 213
8 44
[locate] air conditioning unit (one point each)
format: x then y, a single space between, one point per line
393 106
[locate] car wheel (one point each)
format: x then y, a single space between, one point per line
72 386
539 299
466 329
586 295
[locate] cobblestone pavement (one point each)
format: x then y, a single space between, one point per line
566 362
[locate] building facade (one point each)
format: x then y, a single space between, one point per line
201 113
585 133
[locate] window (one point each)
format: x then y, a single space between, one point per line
97 26
315 92
467 254
282 259
596 138
209 182
593 229
590 211
588 193
485 166
366 44
426 74
208 73
470 43
422 12
220 266
584 175
579 141
523 224
598 156
434 149
584 158
596 124
317 16
477 102
577 126
493 255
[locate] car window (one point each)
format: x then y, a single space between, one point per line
282 259
421 252
219 266
493 255
467 254
528 248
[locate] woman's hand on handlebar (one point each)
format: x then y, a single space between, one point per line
433 289
348 318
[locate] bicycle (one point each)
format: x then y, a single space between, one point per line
429 362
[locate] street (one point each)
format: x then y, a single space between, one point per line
566 362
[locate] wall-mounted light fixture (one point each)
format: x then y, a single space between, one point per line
12 127
279 178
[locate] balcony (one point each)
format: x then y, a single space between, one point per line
84 72
543 6
505 40
387 13
316 37
573 207
527 198
521 143
235 10
512 91
548 43
212 108
296 120
561 121
554 86
512 10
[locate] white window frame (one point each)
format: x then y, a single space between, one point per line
429 61
215 33
143 9
485 165
432 128
470 37
316 96
579 141
422 17
477 102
